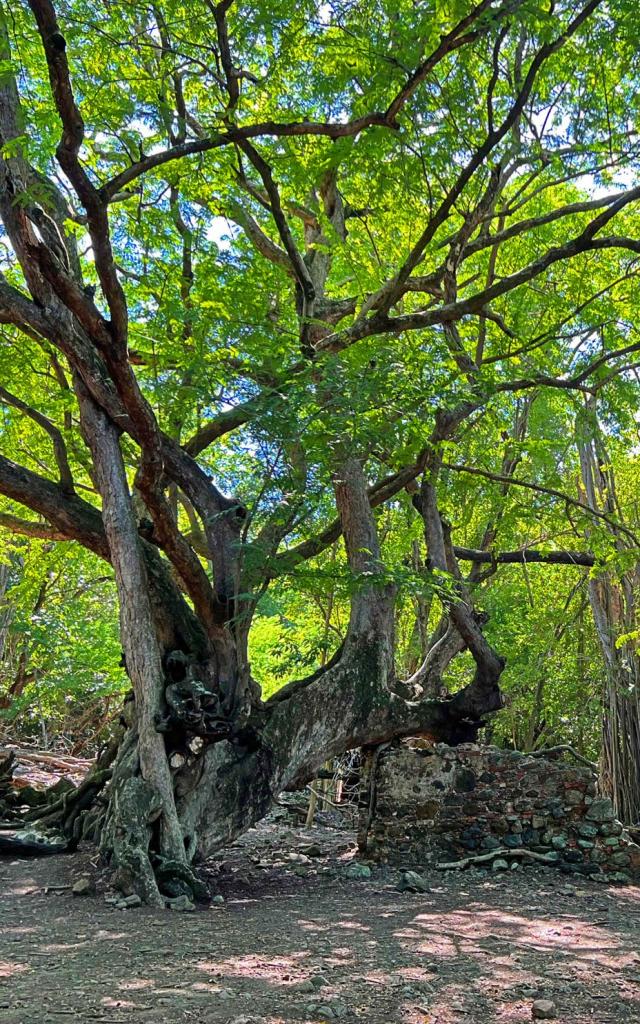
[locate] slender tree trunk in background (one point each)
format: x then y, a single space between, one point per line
320 791
615 614
6 613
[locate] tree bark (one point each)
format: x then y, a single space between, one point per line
615 615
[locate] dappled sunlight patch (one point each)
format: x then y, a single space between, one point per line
351 925
473 926
25 887
445 1008
212 987
340 955
314 926
8 968
438 945
285 968
136 984
628 893
118 1004
417 973
64 947
376 977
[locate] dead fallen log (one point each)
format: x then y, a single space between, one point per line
480 858
21 846
57 762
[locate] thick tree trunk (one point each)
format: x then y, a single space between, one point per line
179 789
177 793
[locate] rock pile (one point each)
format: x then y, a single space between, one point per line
446 803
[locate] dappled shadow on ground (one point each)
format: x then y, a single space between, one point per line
303 943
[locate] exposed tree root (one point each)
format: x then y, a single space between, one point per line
480 858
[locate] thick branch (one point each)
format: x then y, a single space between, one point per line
59 447
72 517
29 528
526 556
54 45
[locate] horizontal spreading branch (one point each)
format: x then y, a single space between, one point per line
526 556
30 528
71 516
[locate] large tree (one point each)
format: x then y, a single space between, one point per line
266 269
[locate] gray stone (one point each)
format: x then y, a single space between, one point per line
573 797
618 876
85 886
303 987
324 1012
587 831
611 828
543 1009
129 902
559 842
358 872
181 904
491 843
611 841
601 810
312 851
500 865
328 1011
621 858
585 844
512 841
411 881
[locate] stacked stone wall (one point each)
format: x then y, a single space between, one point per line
445 803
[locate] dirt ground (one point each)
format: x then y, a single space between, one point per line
298 940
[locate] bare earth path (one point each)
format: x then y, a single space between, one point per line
297 940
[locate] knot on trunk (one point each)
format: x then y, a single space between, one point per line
193 710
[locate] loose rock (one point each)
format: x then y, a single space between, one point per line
129 902
411 881
85 886
181 903
543 1009
358 871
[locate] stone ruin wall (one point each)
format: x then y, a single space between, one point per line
424 806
